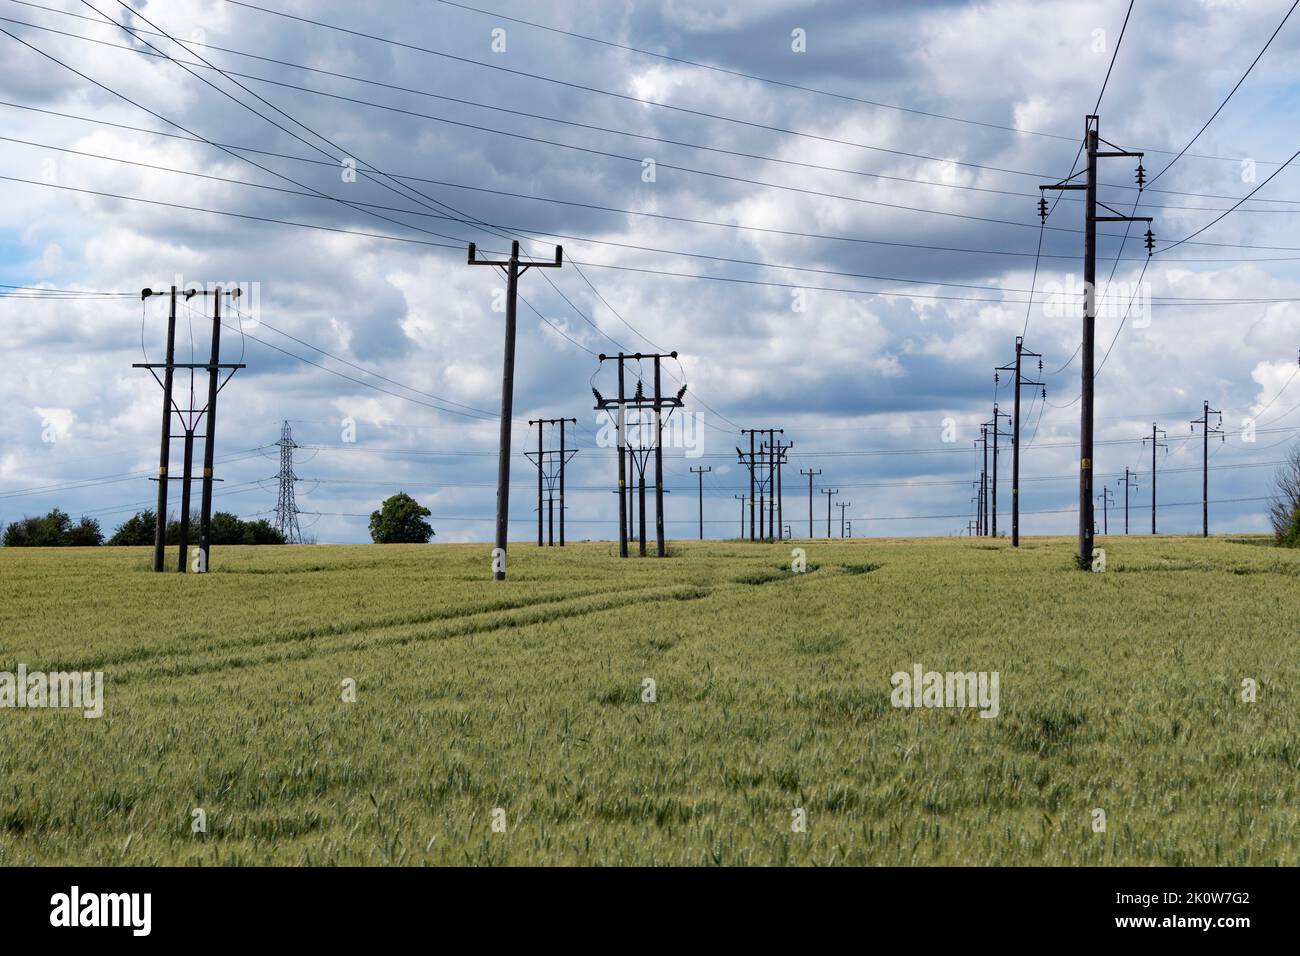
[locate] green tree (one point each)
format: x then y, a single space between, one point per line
54 530
263 532
47 531
400 520
86 534
226 528
135 531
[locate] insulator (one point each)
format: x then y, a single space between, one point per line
1151 242
1141 176
1044 394
995 378
1042 208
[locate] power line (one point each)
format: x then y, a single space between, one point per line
644 213
597 90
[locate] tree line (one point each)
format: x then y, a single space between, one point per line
399 520
56 530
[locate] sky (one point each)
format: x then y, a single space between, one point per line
828 210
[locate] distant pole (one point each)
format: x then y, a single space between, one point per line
780 491
1153 478
541 467
743 499
1155 442
829 493
164 453
984 481
1018 368
843 506
186 474
1015 453
752 466
622 468
1104 497
701 472
562 462
660 549
1126 499
1206 432
810 473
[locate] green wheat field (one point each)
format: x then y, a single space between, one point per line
1120 691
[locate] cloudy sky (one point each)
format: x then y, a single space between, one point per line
828 209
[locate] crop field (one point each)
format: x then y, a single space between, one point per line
524 703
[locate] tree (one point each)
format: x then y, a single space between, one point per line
135 531
54 530
1285 512
86 534
400 520
226 528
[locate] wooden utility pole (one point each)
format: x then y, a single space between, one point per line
1092 144
511 269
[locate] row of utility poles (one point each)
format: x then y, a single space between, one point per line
986 519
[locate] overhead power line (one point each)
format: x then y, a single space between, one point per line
587 88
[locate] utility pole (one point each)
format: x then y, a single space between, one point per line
750 462
984 483
1092 144
701 472
641 454
1155 443
1129 480
1017 367
1206 432
1105 498
850 527
164 454
550 471
843 506
540 473
512 271
996 426
743 499
190 418
564 459
810 473
829 495
779 494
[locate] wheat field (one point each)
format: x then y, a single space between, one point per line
516 723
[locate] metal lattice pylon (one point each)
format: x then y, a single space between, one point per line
286 508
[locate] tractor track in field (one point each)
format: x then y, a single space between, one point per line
485 622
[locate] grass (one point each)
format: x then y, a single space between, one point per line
1119 691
